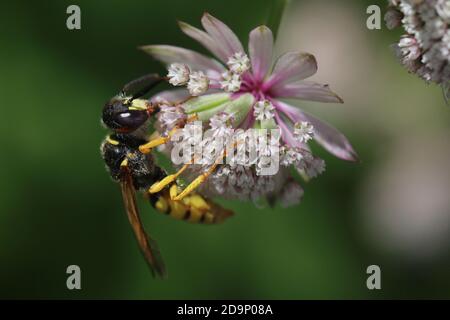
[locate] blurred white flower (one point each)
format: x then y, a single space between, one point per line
291 194
424 49
406 199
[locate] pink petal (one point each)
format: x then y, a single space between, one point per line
205 40
260 48
286 133
171 54
327 136
292 66
222 35
306 90
175 95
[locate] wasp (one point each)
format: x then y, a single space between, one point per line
127 153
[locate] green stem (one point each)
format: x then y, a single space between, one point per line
275 15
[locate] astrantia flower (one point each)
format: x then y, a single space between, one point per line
238 63
263 110
198 83
231 82
245 85
425 47
178 74
303 131
290 193
170 115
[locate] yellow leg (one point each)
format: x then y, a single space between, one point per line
196 183
158 186
147 148
199 180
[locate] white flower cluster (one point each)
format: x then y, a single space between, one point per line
238 63
179 74
425 48
169 115
291 194
303 131
263 110
256 148
198 83
240 182
303 160
219 135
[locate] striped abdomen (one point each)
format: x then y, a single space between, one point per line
192 208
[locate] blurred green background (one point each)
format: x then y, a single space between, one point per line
59 207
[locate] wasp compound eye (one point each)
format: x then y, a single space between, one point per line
131 120
120 118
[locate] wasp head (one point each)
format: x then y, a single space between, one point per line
125 115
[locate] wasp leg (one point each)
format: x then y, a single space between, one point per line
158 186
195 183
200 179
147 147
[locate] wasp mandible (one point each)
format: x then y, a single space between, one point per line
127 154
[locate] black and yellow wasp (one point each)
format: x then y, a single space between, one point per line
128 158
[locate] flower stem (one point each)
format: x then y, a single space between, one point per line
275 15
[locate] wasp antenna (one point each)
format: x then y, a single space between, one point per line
142 85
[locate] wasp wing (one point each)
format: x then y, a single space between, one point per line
148 246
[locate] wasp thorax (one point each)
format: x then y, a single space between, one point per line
122 116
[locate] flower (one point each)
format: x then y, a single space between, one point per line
238 63
246 85
169 115
264 110
290 156
303 131
198 83
178 74
424 49
231 82
314 167
291 194
220 124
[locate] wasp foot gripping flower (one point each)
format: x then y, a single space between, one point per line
425 47
241 91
